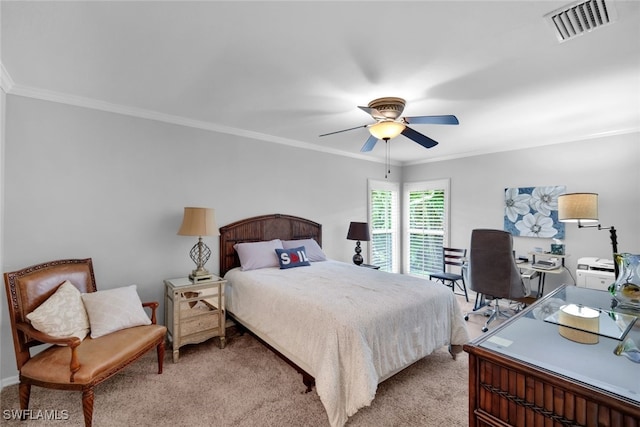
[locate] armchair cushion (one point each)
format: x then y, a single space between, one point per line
114 309
62 315
98 357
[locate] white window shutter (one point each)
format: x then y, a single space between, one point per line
425 226
384 206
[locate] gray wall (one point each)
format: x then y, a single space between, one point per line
86 183
607 166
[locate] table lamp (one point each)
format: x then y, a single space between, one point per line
358 231
199 222
583 208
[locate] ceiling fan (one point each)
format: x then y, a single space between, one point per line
388 123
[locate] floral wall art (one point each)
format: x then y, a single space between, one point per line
533 211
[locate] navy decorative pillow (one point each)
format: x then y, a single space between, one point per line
294 257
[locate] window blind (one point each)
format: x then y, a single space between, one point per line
384 226
425 226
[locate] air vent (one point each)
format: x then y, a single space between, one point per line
581 17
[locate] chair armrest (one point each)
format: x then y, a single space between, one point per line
46 338
153 305
71 342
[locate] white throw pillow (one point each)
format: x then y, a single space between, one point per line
114 309
62 315
254 255
312 248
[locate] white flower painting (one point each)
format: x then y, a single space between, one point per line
533 211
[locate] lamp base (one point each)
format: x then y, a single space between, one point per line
200 254
357 258
195 278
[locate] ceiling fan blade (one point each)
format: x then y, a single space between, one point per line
344 130
369 144
432 120
421 139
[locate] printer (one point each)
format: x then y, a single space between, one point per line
595 273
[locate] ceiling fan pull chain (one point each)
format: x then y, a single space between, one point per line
387 161
388 157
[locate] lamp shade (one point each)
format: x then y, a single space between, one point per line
578 207
198 222
387 129
358 231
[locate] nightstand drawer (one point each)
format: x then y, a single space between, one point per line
197 319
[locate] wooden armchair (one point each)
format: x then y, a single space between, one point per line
70 364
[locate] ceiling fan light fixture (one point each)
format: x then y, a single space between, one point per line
388 108
386 129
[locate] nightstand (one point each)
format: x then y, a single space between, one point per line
375 267
194 312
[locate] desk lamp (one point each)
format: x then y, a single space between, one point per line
358 231
583 208
199 222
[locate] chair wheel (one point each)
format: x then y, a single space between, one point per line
466 317
485 329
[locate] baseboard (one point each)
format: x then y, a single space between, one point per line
9 381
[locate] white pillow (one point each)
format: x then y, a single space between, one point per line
114 309
254 255
62 315
312 248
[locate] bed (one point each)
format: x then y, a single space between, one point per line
343 327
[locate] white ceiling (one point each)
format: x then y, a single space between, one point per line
289 71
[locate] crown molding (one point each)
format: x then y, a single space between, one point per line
524 146
78 101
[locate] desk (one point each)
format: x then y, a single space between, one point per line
546 255
524 373
529 274
542 273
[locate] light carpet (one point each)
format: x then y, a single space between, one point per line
245 384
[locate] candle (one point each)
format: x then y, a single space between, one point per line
581 324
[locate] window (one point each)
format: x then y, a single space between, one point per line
425 225
384 209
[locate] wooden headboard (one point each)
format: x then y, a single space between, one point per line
261 228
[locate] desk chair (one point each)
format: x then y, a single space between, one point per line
456 258
493 271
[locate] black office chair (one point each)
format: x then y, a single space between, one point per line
493 271
452 257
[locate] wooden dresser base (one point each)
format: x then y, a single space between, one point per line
503 392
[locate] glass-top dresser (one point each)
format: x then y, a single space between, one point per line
570 359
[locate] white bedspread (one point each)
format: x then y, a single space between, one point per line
350 327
